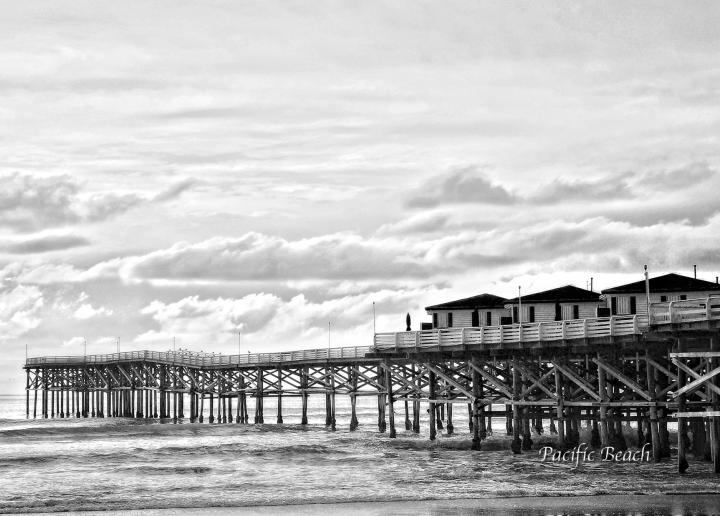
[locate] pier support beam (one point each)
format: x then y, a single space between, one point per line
432 385
682 463
391 399
353 375
259 418
476 405
304 395
654 428
381 400
279 396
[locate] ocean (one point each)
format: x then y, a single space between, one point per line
124 464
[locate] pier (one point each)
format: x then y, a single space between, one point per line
600 374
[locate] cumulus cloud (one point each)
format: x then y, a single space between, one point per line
258 257
88 311
31 202
268 321
20 308
464 185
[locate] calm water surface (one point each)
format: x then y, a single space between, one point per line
106 464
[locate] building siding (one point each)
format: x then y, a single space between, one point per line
463 318
623 300
545 312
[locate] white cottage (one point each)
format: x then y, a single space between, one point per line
631 298
482 310
558 304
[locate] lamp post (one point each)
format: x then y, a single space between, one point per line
647 292
519 306
374 318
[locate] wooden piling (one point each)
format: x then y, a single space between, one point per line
381 400
450 428
602 391
391 400
259 418
304 394
516 445
654 429
353 375
211 415
432 385
560 408
476 406
279 396
682 463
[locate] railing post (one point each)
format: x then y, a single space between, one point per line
671 315
562 327
540 331
462 336
585 328
439 337
520 332
417 339
708 309
482 334
612 325
636 328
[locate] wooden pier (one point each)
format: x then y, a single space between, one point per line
600 375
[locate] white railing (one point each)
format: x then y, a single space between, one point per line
525 332
206 359
687 310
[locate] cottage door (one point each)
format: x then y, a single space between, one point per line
475 319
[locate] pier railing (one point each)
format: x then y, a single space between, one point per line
189 358
687 310
508 333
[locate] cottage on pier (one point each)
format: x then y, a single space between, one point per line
558 304
476 311
631 299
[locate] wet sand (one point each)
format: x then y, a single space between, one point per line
608 505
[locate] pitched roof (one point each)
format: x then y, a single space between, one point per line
566 294
667 283
471 303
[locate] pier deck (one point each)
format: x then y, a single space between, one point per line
605 373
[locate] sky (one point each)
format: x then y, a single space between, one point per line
246 172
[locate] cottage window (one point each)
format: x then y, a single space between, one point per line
613 305
683 297
633 305
435 324
515 314
531 314
488 319
449 319
576 312
663 299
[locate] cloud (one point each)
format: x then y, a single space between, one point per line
419 223
268 321
175 191
44 244
20 310
561 190
465 185
31 202
258 257
88 311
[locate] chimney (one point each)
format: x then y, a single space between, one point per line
591 284
716 280
695 271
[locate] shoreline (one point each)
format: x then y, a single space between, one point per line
679 502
